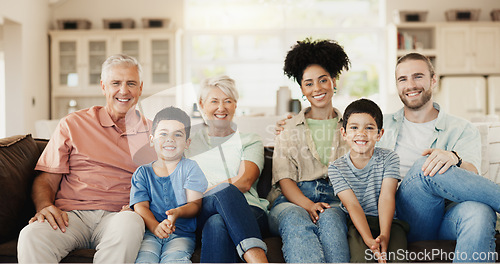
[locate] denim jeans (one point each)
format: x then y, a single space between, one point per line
226 214
174 249
421 201
304 241
262 220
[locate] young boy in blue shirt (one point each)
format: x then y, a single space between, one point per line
365 180
167 192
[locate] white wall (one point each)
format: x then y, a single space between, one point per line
13 105
96 10
26 63
2 84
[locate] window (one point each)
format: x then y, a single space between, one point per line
248 40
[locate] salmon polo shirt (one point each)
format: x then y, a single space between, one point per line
96 159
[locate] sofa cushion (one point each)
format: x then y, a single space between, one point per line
494 152
8 252
264 183
18 156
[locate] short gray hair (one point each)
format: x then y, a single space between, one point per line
223 82
119 59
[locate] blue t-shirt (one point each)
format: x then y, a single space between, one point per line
165 193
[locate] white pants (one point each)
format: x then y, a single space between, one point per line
116 237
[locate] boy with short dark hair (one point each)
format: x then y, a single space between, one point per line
167 192
365 180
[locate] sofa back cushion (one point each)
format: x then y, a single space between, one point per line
264 184
490 150
18 157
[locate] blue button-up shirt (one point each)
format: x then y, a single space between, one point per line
451 133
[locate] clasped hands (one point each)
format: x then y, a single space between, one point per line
167 226
378 246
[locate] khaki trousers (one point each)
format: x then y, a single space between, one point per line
116 237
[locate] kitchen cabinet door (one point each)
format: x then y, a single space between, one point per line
453 50
467 48
485 49
77 57
463 96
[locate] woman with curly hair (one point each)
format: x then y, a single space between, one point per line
306 214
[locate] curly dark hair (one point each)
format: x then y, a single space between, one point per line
326 53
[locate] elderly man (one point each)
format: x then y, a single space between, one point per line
86 170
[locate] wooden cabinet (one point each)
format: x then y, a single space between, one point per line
416 37
76 63
77 56
455 48
472 48
463 96
412 37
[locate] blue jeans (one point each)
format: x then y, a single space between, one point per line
174 249
304 241
421 201
226 214
262 220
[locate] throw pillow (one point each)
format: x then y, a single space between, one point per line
18 157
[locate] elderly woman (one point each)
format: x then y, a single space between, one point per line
232 214
306 213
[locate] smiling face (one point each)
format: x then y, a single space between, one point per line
361 134
415 84
218 108
122 89
169 140
317 85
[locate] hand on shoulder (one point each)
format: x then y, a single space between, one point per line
280 124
